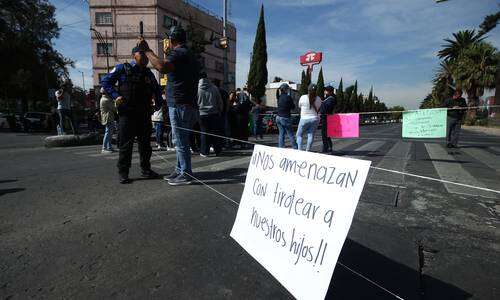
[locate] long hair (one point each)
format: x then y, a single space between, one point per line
312 98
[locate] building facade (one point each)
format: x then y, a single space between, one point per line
116 23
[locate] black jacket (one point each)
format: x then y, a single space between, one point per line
285 106
455 113
328 106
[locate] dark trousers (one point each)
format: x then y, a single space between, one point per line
66 113
131 126
212 124
454 126
257 126
327 141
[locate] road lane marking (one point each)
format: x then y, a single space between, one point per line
450 170
489 159
396 159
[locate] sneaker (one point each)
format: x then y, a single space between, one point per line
123 178
212 150
106 151
150 174
203 155
171 176
181 180
159 147
170 149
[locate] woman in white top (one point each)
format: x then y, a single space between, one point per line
309 106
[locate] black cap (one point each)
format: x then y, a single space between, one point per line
329 88
177 33
284 86
135 50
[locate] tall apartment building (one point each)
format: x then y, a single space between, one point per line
118 22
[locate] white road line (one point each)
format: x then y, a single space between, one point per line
487 158
395 159
449 169
371 146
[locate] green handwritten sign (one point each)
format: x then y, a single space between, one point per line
424 123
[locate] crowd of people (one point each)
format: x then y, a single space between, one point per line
194 113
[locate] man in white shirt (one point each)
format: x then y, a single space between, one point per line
64 111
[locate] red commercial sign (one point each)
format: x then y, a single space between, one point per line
311 58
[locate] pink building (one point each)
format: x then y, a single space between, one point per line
118 20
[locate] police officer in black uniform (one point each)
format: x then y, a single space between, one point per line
137 87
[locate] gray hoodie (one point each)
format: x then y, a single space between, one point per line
209 99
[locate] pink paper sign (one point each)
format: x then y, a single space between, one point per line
343 125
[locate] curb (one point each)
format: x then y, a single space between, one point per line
73 140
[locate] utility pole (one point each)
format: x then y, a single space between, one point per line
83 80
226 48
107 50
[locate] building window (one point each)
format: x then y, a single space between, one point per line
219 67
101 48
169 21
103 18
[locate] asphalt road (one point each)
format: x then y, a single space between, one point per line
69 230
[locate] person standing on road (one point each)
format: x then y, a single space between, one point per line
309 106
64 111
137 86
108 110
158 121
284 118
211 121
257 118
456 114
327 108
182 69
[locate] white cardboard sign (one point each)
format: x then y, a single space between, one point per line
295 213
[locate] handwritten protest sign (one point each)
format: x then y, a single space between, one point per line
424 123
343 125
295 213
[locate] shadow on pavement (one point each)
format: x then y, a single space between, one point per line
10 191
393 276
8 180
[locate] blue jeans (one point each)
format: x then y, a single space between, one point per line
308 126
108 132
285 128
182 118
159 131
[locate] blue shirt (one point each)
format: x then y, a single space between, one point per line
182 82
118 74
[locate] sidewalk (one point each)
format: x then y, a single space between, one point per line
481 129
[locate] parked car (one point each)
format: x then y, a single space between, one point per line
37 121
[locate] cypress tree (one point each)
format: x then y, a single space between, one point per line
320 86
369 104
257 75
340 97
303 83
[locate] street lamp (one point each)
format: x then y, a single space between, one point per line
83 80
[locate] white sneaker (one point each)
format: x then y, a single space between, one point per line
159 147
203 155
106 151
212 150
170 149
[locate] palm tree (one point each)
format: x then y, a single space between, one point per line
443 82
454 47
475 71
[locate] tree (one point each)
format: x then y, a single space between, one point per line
489 22
443 82
348 105
397 115
303 83
31 65
370 104
353 99
340 96
453 47
475 71
320 85
257 75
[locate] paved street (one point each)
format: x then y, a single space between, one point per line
69 230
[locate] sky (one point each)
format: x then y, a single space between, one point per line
388 44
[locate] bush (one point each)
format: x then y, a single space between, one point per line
469 121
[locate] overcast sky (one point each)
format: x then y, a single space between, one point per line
390 44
